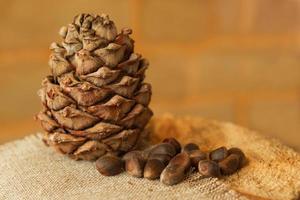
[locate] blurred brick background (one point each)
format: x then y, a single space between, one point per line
228 60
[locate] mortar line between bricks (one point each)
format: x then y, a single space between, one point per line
212 17
135 19
289 92
242 43
15 54
230 97
247 15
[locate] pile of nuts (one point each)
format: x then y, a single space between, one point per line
171 164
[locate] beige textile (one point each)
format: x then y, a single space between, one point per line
30 170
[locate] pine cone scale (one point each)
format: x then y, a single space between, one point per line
99 131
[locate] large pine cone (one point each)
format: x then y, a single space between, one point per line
96 100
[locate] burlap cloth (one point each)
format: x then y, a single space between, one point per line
30 170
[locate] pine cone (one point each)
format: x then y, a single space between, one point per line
95 100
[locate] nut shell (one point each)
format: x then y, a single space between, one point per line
134 154
153 169
209 168
190 147
109 165
218 154
162 157
240 153
134 164
163 148
230 164
196 156
177 169
173 142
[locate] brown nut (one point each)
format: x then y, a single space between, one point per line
133 154
135 167
230 164
173 142
240 153
153 169
163 148
177 169
209 168
196 156
190 147
218 154
134 164
161 157
109 165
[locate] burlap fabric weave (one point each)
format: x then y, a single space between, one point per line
30 170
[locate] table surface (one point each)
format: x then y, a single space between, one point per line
60 175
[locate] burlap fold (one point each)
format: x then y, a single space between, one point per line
30 170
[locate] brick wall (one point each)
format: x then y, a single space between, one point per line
229 60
